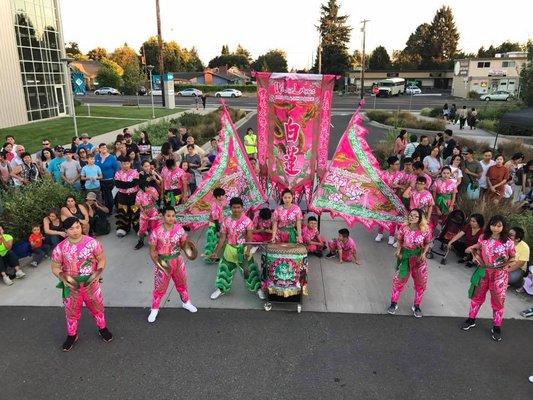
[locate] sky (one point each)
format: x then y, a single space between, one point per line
285 24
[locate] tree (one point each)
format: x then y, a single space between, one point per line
508 46
124 55
225 50
403 60
526 77
132 78
335 37
241 51
196 63
175 57
379 59
356 59
110 74
229 60
419 49
72 48
272 61
80 57
444 35
97 54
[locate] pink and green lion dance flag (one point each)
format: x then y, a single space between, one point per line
352 188
231 170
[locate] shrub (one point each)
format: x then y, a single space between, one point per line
431 112
404 119
210 89
77 103
495 111
378 116
488 124
21 208
473 95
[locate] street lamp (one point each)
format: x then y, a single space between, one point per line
363 29
150 69
67 62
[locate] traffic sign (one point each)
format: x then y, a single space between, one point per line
375 90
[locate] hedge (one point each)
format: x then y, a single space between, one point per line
212 89
22 208
404 119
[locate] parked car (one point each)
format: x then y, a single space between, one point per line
413 90
107 90
142 91
190 92
229 93
156 92
497 95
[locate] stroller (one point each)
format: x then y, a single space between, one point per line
453 224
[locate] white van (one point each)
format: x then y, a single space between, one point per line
391 87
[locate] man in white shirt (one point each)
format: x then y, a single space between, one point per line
17 160
486 163
197 149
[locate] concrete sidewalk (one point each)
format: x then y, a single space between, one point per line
333 287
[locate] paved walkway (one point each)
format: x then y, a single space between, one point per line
333 287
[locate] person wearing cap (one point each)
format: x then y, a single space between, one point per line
70 170
146 199
98 223
85 144
127 183
91 175
54 167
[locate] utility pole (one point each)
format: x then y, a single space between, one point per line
320 58
160 44
363 29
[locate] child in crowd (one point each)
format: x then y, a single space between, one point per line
444 193
315 243
343 247
287 220
149 219
420 197
91 175
190 176
418 171
262 226
38 247
215 219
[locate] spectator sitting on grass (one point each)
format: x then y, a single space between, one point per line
73 209
519 268
25 173
470 235
190 140
53 228
8 258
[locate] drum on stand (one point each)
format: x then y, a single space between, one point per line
284 268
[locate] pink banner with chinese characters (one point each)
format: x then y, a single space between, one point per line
352 187
231 171
293 125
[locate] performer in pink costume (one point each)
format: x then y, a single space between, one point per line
414 240
262 226
175 183
392 177
166 242
314 242
418 170
127 183
420 197
216 216
146 201
343 247
287 220
444 192
78 262
494 253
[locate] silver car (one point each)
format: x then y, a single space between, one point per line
107 90
501 95
190 92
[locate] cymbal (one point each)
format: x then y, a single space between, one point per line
190 250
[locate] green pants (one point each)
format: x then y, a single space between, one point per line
226 270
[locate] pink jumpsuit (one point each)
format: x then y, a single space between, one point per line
167 243
428 180
286 218
411 240
494 254
312 235
393 180
259 223
77 260
348 248
149 218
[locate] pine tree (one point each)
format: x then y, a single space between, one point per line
225 50
379 59
241 51
444 35
419 49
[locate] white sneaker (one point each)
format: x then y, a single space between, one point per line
379 237
261 294
34 264
216 294
153 315
7 281
121 233
391 240
189 307
19 274
395 245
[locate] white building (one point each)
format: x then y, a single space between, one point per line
486 75
32 76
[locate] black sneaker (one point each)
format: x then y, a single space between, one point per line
139 244
417 312
330 255
105 334
461 261
468 323
470 264
318 253
68 344
392 308
496 333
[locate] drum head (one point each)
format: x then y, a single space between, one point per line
286 248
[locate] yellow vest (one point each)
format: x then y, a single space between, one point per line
250 143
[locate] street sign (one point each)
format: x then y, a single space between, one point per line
375 90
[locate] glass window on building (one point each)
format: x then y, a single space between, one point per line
508 64
38 44
483 64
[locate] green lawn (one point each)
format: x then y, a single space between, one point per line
125 111
61 130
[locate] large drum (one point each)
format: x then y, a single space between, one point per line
285 269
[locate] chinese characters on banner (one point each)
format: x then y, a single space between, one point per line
231 171
293 121
352 187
